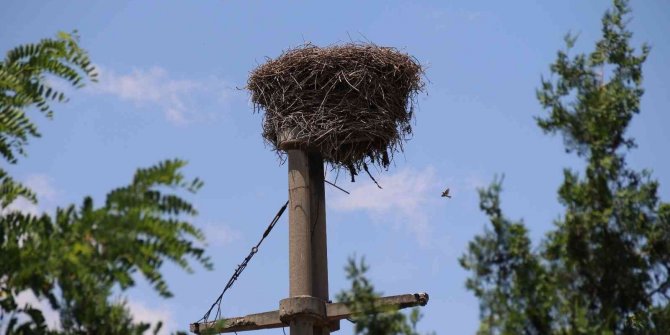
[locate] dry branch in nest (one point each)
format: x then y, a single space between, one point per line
354 103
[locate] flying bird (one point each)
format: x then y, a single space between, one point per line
446 194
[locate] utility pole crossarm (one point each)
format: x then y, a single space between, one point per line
256 321
340 311
334 312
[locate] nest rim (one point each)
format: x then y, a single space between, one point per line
352 102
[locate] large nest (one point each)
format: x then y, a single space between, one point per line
353 103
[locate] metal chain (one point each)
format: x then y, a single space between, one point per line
242 266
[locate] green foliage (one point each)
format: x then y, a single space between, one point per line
507 276
75 258
369 318
23 85
605 268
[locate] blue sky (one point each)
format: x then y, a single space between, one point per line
170 74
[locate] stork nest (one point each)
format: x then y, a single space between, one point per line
353 103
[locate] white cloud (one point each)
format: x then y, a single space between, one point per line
220 234
51 317
472 16
139 311
465 185
404 199
42 186
21 205
155 87
151 86
474 182
143 313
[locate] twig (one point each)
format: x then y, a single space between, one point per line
337 187
365 167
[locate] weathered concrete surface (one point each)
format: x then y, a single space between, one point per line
300 235
306 310
302 306
257 321
319 236
334 312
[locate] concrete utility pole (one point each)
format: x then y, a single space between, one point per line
308 260
308 310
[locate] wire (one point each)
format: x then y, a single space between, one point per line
365 167
241 267
337 187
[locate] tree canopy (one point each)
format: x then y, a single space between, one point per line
23 85
76 257
605 266
370 319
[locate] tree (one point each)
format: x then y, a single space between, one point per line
75 257
370 319
508 278
23 85
605 267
